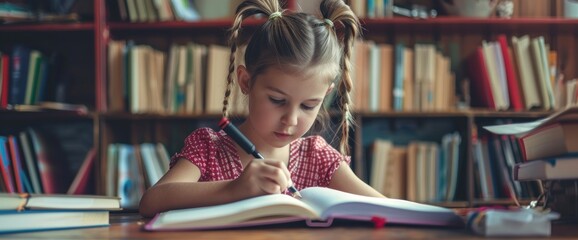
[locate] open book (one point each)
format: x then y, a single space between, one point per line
318 207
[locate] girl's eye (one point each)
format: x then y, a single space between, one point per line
305 107
276 101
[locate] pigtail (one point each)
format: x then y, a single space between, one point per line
336 11
244 10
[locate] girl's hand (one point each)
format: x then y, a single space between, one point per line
262 176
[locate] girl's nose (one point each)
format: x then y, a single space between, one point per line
290 117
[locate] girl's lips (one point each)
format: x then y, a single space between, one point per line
282 135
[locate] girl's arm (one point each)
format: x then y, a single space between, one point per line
344 179
179 187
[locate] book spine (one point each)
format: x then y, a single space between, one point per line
5 165
5 81
18 78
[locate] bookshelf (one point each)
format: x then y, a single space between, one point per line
84 44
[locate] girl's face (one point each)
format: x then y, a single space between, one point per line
284 106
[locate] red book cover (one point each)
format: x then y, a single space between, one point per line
80 183
513 85
14 155
481 90
5 79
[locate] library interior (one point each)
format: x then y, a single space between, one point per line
464 115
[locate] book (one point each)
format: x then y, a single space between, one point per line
80 184
6 166
18 74
548 169
514 93
5 75
23 221
318 208
21 179
482 94
11 201
30 162
522 57
551 140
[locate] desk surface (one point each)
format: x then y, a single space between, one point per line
129 227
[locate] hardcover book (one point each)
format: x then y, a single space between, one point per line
24 221
10 201
563 167
318 208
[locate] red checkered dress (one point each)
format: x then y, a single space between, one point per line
312 161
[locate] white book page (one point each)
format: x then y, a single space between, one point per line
355 205
519 129
236 212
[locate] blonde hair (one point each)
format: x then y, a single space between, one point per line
298 41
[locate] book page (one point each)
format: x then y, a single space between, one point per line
337 204
519 129
237 212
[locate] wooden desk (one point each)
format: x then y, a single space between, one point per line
129 227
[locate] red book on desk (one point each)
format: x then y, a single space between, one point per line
318 208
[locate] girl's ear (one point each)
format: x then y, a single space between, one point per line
331 87
243 79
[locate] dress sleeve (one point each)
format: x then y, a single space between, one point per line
197 148
329 158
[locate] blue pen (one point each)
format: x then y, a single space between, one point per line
249 147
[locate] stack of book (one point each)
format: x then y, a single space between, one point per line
549 149
37 212
549 146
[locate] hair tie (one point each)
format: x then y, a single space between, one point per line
275 15
328 22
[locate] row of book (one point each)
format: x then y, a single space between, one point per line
401 78
24 75
550 149
27 166
189 79
495 158
384 8
421 171
548 153
171 10
521 77
130 169
372 8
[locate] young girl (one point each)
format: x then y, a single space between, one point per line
291 63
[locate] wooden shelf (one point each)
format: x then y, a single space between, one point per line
444 21
9 115
415 114
157 116
510 114
48 27
216 24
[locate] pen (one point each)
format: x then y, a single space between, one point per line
249 147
